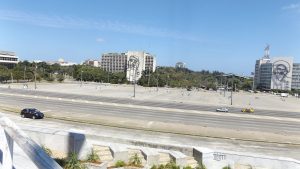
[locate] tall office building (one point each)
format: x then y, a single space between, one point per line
276 73
8 59
123 62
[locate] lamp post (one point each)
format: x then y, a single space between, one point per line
148 77
157 83
231 92
35 77
12 78
81 78
24 73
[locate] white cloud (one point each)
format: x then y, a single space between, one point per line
292 7
100 40
78 23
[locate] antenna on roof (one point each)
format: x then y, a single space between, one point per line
267 52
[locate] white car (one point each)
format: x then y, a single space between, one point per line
222 109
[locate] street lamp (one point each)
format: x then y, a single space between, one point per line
12 78
133 64
35 77
24 73
157 82
149 77
81 78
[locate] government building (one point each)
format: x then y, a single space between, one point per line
276 73
133 63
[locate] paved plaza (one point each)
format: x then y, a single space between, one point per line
202 97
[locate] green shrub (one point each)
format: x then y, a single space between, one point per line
171 165
201 166
135 160
154 167
187 167
120 163
49 79
47 150
61 161
227 167
73 162
93 157
161 166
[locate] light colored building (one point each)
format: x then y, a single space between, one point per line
296 76
180 65
146 62
94 63
114 62
8 59
62 62
276 73
122 62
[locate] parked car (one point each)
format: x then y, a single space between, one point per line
248 110
222 109
32 113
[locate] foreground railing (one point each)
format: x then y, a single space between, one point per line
10 133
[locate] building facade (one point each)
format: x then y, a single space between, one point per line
296 76
94 63
276 73
131 62
8 59
114 62
146 61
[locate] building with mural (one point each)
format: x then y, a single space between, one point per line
276 73
133 63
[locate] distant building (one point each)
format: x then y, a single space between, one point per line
94 63
276 73
8 59
119 62
146 62
180 65
296 76
62 62
114 62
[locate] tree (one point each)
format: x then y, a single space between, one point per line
4 73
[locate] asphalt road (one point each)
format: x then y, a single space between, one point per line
230 122
184 106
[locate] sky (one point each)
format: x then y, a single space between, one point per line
222 35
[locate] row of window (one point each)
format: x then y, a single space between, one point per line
8 59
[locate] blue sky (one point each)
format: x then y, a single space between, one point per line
223 35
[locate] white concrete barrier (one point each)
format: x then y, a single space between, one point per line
10 133
215 159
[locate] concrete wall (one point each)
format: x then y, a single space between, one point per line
62 143
218 159
213 159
